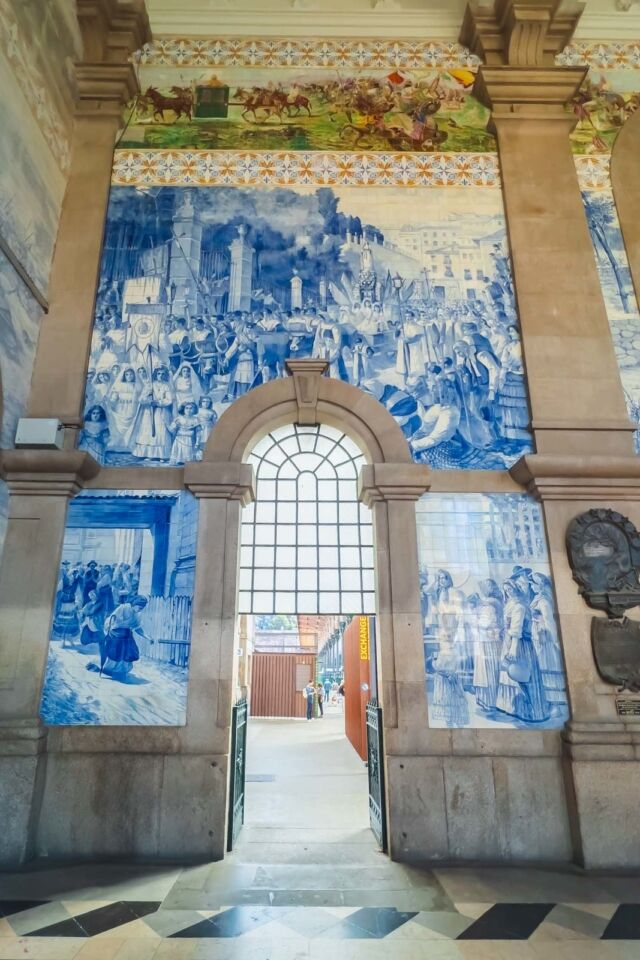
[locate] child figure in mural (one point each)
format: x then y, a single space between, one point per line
185 429
207 418
96 432
449 702
119 650
520 690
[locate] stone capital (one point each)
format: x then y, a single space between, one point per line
566 477
519 32
102 89
306 381
47 473
220 481
393 482
112 29
531 93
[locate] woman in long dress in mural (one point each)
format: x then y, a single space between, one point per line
520 691
186 386
207 418
66 625
123 401
488 645
119 650
92 621
104 589
545 640
410 355
150 437
512 391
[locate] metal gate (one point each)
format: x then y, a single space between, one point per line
237 763
375 766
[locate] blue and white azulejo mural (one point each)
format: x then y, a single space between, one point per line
492 652
121 630
205 292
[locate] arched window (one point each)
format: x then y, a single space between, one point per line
307 543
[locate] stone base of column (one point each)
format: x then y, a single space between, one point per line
22 768
602 778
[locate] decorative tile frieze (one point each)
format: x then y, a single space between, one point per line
610 55
243 168
593 171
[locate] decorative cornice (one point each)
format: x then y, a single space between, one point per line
104 88
220 481
112 29
47 473
518 33
393 481
306 381
529 92
556 477
208 168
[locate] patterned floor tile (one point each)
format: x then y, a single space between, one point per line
568 923
508 921
164 923
46 914
624 924
379 921
312 921
9 908
230 923
98 921
444 923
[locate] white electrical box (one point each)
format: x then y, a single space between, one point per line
40 432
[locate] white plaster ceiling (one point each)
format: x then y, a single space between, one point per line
433 19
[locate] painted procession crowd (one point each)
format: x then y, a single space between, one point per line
492 651
206 293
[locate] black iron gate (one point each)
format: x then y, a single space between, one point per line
375 766
237 764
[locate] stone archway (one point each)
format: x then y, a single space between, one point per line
390 484
626 191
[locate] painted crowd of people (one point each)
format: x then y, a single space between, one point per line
495 647
450 370
98 607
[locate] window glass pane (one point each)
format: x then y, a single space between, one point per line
367 556
264 557
347 471
246 533
290 445
348 512
307 487
285 603
263 580
366 536
351 603
287 471
324 445
308 512
328 534
308 580
265 513
349 536
307 534
285 557
285 580
307 556
262 602
349 557
246 556
365 513
244 580
287 490
326 471
276 455
329 556
347 444
248 513
261 447
329 579
329 603
347 490
264 533
327 513
328 490
285 533
287 512
307 602
369 603
307 441
350 580
244 603
267 470
368 580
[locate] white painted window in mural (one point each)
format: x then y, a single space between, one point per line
121 630
307 543
492 652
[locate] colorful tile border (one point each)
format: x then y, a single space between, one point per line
594 171
294 52
610 55
310 52
33 85
243 168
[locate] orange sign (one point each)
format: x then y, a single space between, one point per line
364 638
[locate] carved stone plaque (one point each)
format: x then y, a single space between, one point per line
616 650
627 707
604 551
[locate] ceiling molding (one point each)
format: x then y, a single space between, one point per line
404 19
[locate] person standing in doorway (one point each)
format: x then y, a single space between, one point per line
309 693
320 696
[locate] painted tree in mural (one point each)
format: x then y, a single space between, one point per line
602 222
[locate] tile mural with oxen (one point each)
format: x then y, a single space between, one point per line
121 629
206 292
492 652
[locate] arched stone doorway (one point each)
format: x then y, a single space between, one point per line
390 483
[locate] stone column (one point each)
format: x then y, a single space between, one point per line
391 490
222 490
577 401
296 291
105 81
40 483
241 276
184 266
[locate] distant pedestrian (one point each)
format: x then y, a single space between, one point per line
309 693
320 696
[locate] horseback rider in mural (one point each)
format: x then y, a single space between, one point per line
280 274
